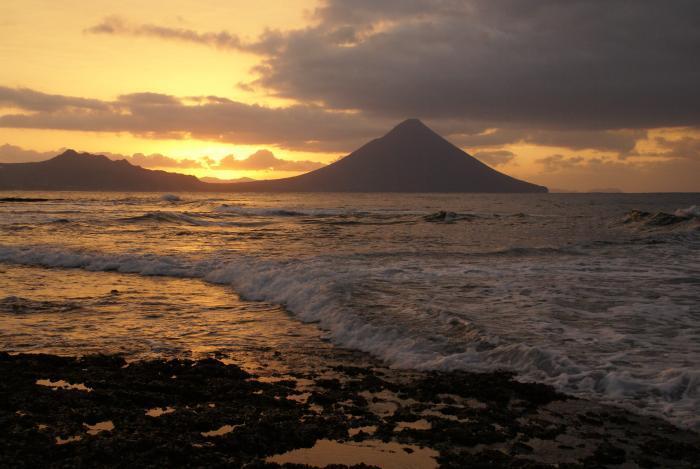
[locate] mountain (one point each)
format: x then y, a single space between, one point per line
85 172
410 158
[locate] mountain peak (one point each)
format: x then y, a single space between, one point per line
69 153
411 130
411 125
409 158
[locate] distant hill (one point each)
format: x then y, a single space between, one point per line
82 172
607 190
410 158
213 180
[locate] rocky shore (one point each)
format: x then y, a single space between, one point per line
102 411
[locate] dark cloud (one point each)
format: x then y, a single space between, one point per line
577 74
554 163
684 147
265 160
495 157
621 142
582 64
31 100
299 127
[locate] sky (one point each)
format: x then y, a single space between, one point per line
577 95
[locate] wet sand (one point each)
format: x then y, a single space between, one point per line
102 411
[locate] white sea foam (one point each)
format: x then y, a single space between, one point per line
181 218
281 211
690 212
569 346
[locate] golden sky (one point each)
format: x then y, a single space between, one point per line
310 80
43 46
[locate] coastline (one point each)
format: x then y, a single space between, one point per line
102 411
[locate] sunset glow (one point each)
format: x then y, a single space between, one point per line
230 64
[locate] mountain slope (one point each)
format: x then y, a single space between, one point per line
410 158
83 171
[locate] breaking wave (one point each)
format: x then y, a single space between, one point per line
333 293
179 218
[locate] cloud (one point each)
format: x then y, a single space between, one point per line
119 26
297 127
154 115
495 157
24 98
157 160
265 160
622 142
261 160
544 64
14 154
581 75
116 25
583 65
684 147
674 175
554 163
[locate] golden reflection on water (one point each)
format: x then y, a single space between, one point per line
73 312
372 452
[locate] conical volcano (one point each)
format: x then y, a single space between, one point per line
410 158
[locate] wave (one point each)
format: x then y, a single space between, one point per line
687 217
170 198
178 218
21 306
326 291
283 212
690 212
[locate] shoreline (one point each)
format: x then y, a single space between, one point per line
101 411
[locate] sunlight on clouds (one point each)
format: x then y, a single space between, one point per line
52 34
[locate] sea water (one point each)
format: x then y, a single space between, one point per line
579 291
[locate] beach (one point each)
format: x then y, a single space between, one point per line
101 411
406 331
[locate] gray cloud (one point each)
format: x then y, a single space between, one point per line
120 26
554 163
581 65
116 25
156 160
299 127
495 157
622 142
265 160
576 74
674 175
685 147
31 100
14 154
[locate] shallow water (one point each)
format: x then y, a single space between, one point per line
565 289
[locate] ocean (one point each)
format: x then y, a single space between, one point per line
597 295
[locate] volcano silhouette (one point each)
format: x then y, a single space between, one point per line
410 158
